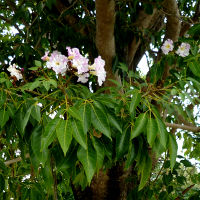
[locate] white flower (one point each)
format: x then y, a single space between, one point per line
183 49
57 62
167 46
15 72
98 69
83 78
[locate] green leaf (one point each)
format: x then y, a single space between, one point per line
53 82
74 113
121 143
100 119
35 112
123 67
158 148
38 63
146 171
33 68
151 131
4 117
3 167
78 133
2 183
135 100
173 147
64 134
87 158
36 146
11 110
186 163
18 121
140 125
148 8
49 133
34 85
21 120
114 122
47 176
131 155
85 111
99 148
194 67
162 132
46 84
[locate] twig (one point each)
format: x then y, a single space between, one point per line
15 160
185 191
160 170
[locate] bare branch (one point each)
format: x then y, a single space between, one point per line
9 162
193 129
144 21
105 41
70 19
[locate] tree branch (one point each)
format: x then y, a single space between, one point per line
70 19
193 129
144 21
185 191
9 162
105 41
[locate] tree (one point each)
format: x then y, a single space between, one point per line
63 139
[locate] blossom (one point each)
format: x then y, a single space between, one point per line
167 46
79 62
45 57
183 49
15 72
83 78
98 69
73 53
57 62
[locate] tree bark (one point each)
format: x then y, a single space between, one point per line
105 40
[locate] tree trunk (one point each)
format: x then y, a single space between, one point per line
107 186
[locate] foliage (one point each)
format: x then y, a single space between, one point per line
66 132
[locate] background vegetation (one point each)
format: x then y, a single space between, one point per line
60 139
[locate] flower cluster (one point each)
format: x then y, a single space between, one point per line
15 72
183 49
76 63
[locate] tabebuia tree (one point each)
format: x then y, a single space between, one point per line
78 117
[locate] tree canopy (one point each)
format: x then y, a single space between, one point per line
78 118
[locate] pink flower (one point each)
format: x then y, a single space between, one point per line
167 46
45 57
183 49
79 62
73 53
15 72
57 62
98 69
